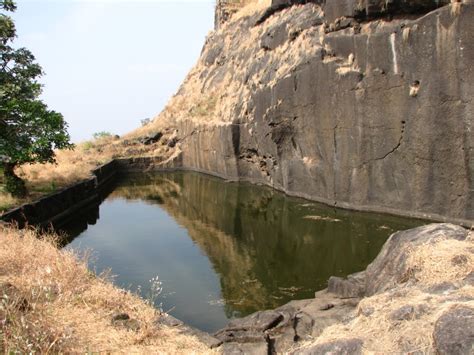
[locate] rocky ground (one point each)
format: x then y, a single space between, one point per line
416 297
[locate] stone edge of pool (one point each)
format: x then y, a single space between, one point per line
58 207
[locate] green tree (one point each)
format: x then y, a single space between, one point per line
29 131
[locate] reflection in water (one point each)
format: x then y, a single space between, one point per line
243 248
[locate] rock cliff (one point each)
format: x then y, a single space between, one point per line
355 103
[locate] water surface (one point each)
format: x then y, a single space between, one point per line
225 250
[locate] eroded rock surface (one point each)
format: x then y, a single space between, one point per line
357 104
454 331
392 306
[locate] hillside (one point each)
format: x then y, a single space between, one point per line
355 104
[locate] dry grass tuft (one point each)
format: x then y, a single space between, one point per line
7 201
51 303
456 7
447 261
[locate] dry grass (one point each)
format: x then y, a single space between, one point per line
432 264
72 165
57 305
7 201
75 165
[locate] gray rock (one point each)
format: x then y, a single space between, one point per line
353 286
239 348
454 332
366 154
274 37
167 320
403 313
170 321
389 268
259 321
441 288
123 320
120 316
241 336
337 347
206 338
363 9
326 307
303 324
469 279
154 138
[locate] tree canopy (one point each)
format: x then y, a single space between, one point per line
29 131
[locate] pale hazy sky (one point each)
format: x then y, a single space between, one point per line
108 63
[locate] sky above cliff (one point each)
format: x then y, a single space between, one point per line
109 64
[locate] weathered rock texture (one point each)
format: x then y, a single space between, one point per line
413 298
359 104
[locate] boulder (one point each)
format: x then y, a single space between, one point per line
351 287
454 331
152 138
123 320
390 269
336 347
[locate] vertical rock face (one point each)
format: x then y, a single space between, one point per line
223 12
364 105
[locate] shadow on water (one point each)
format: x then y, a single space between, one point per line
78 224
224 249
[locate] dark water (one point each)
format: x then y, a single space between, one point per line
225 250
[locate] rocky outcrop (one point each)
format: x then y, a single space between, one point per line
369 109
397 305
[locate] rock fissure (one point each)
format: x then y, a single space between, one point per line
391 151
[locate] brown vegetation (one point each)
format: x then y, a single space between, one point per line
75 165
51 303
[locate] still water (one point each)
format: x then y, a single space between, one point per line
224 250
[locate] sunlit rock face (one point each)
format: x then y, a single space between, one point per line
367 106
